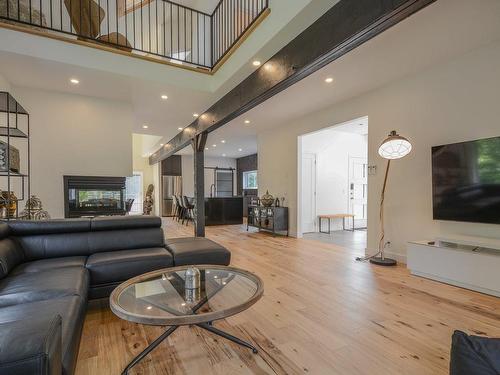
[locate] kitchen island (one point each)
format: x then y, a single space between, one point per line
224 210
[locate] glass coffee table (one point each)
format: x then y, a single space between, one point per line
161 298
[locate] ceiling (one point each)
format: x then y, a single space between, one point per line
440 32
445 29
36 62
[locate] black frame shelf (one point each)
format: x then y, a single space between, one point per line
12 132
10 113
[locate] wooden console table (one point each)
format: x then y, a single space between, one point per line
335 216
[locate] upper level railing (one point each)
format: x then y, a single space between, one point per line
154 28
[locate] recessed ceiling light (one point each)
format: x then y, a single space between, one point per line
206 148
195 115
180 128
223 141
74 81
161 144
224 155
203 116
247 121
214 145
240 149
256 63
164 97
149 307
145 126
329 80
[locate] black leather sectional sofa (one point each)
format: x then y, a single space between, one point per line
49 270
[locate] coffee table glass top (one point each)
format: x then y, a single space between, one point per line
161 298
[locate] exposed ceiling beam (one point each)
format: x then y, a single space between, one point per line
348 24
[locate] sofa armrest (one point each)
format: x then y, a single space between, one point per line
31 346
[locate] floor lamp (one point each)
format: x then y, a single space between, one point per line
393 147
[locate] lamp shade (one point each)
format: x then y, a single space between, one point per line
394 146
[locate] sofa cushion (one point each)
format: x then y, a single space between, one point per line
126 239
117 266
37 286
474 355
10 256
124 222
31 346
37 247
72 311
50 264
197 250
54 226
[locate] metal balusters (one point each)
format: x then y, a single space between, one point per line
188 35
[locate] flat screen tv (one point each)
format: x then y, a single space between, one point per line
466 181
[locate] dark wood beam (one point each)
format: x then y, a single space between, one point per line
198 144
342 28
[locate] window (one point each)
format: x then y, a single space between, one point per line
133 190
250 180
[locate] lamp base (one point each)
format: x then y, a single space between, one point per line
383 262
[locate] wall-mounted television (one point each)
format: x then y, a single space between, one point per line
466 181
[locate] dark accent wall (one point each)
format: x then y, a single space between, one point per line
246 163
171 166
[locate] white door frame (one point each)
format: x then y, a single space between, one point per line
314 208
350 159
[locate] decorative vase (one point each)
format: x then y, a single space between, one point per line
192 278
9 201
267 199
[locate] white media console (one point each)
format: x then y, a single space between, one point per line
468 262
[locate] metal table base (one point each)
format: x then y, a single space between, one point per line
207 326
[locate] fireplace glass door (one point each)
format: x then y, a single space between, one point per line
94 196
88 200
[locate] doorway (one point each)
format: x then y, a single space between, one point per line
333 184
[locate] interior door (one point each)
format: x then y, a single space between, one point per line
308 211
358 190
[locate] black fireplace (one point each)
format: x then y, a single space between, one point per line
93 196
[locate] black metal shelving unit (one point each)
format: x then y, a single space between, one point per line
14 124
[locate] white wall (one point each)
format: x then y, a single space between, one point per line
188 173
333 149
149 172
450 102
74 135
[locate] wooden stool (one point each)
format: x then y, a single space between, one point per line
335 216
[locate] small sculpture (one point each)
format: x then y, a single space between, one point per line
33 210
192 278
267 199
148 201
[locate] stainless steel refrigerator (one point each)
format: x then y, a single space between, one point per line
171 185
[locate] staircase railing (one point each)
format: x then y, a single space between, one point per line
159 28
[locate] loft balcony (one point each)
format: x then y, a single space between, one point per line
158 30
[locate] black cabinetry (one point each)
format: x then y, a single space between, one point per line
272 219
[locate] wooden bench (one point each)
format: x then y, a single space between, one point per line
335 216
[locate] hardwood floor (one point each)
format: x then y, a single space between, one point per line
322 313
